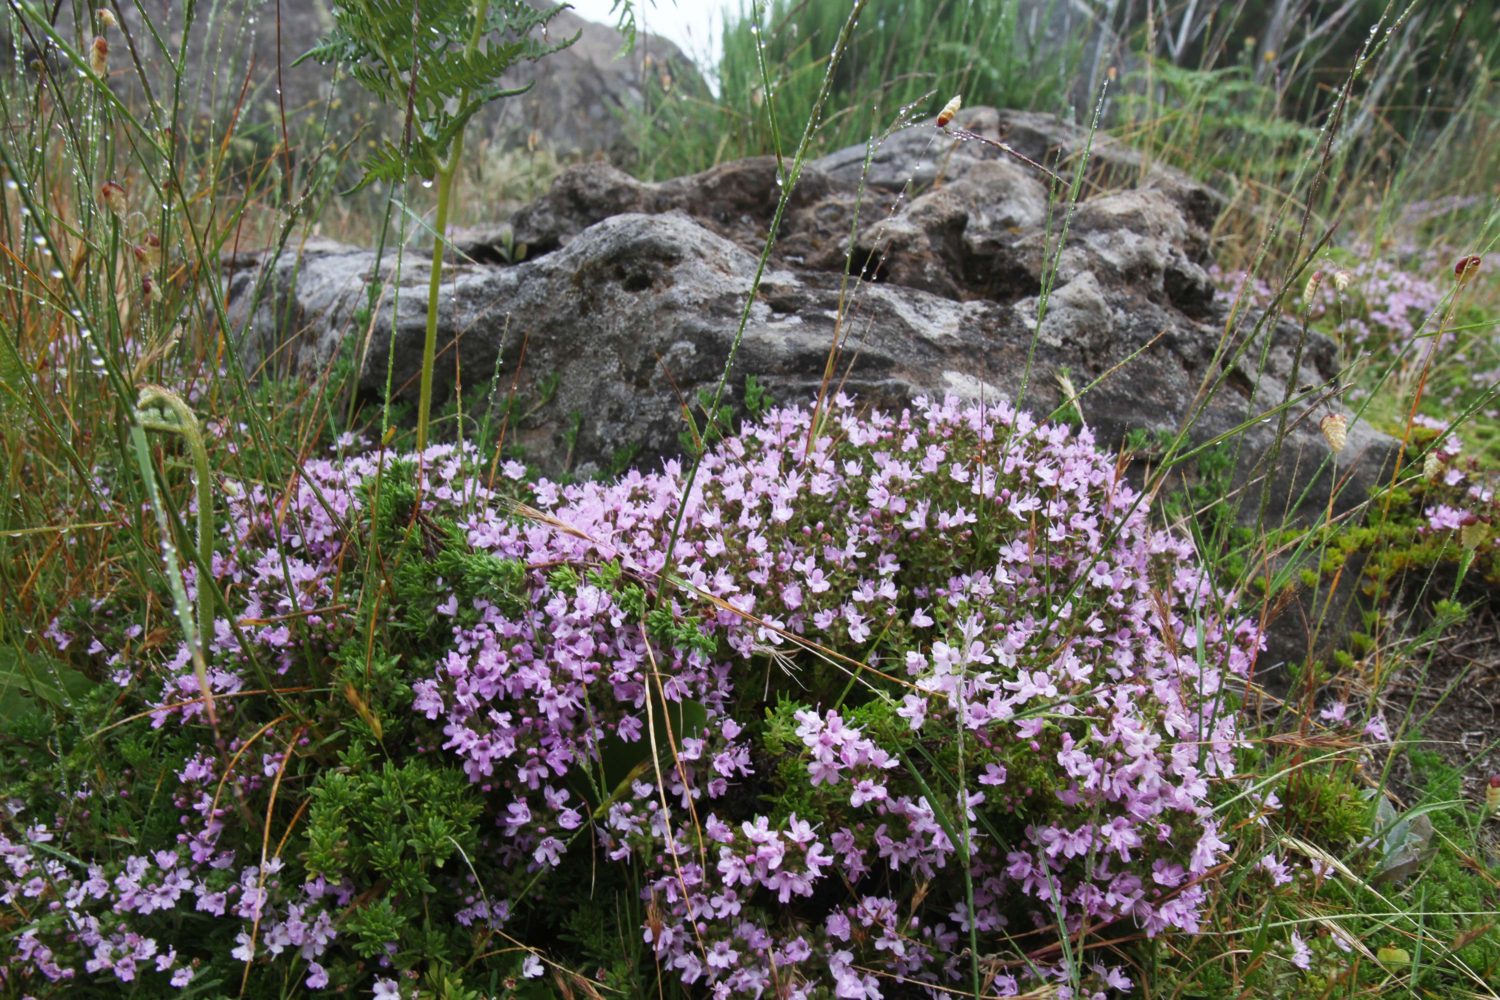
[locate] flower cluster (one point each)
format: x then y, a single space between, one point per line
1378 303
91 911
999 580
1383 304
1460 492
868 688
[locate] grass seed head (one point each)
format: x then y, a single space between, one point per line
1311 290
1335 428
1432 465
99 56
1473 532
1466 268
949 110
112 197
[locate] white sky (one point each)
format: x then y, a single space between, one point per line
695 25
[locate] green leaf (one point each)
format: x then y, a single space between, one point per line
422 58
374 926
30 682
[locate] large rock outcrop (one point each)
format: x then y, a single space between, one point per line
928 275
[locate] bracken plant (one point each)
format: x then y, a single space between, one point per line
914 703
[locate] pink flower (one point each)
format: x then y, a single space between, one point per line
1336 712
865 791
1444 518
1301 954
1280 875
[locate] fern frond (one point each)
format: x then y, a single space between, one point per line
389 164
400 52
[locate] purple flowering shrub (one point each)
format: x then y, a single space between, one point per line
1385 307
1377 302
905 684
1433 534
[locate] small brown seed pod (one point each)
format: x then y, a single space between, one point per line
99 57
949 110
1311 290
112 197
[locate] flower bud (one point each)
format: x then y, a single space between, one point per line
949 110
149 292
112 197
1335 428
107 19
99 57
1466 268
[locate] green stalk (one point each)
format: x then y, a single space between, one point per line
429 343
447 171
161 409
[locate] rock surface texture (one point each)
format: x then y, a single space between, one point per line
628 303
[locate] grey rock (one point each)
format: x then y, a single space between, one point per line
630 299
1076 312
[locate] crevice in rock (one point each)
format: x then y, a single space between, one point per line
998 277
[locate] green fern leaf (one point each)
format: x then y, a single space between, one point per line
414 55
